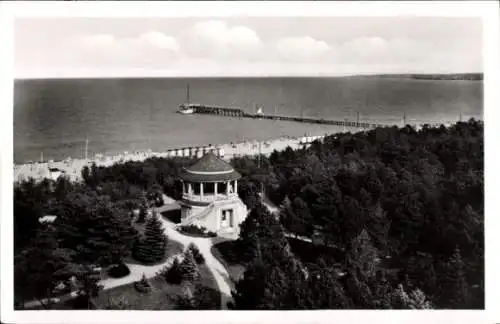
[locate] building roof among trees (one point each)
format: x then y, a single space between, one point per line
210 163
210 168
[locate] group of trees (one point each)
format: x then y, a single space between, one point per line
276 279
415 198
94 222
89 231
402 208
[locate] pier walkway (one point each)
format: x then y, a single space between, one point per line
238 112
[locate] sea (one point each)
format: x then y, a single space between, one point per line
54 117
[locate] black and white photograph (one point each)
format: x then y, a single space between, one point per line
246 161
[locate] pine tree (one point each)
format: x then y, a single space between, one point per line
188 267
248 241
89 286
250 290
173 274
94 228
453 283
416 299
39 267
362 256
198 257
143 210
151 248
287 216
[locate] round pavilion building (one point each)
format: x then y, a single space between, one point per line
210 196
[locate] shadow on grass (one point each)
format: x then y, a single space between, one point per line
173 215
226 252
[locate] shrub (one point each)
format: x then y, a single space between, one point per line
187 300
173 275
198 257
143 285
188 267
119 271
197 230
118 303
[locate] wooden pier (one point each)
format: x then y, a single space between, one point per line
238 112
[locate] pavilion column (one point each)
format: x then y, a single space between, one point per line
190 189
228 183
215 191
236 186
201 190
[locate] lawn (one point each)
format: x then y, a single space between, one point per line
226 253
163 295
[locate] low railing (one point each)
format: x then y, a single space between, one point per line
209 197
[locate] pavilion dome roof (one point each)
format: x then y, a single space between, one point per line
210 168
210 163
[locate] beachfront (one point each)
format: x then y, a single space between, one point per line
72 167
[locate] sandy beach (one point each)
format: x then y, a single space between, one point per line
72 167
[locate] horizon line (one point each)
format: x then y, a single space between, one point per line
245 76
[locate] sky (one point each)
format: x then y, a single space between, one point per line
244 46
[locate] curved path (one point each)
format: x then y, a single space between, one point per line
204 245
136 270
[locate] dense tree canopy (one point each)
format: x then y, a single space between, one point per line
415 197
397 216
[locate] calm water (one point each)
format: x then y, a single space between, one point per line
54 116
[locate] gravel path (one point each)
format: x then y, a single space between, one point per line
136 270
204 245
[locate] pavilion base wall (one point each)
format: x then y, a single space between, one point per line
212 220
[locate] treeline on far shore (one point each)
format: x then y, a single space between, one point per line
443 76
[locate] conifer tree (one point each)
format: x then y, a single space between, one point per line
416 299
454 292
93 227
173 274
198 257
39 267
188 267
362 256
248 241
89 286
143 210
151 248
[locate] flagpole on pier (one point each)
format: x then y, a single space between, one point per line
86 147
261 183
